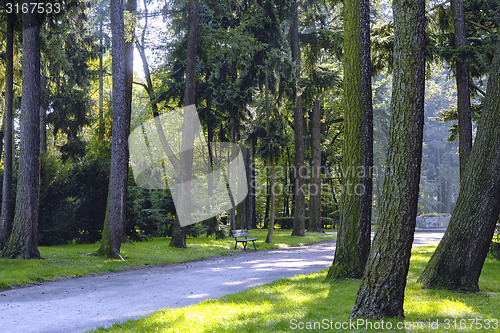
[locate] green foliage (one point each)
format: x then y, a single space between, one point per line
72 200
329 221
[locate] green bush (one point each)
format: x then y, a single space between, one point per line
328 221
72 200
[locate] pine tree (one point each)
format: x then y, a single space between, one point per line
459 258
23 242
353 240
381 293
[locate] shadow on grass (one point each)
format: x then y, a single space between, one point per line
306 304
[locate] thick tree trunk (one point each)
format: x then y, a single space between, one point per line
315 193
23 242
7 213
353 238
112 233
459 258
300 199
384 280
179 233
463 90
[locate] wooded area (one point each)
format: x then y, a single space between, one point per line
357 116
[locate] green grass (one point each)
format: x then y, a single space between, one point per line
281 305
73 260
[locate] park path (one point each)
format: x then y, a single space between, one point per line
81 304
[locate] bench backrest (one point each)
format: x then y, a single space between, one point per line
240 233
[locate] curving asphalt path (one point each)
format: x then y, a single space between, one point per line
81 304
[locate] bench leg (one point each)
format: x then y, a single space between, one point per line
244 246
254 245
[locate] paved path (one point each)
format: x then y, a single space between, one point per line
80 304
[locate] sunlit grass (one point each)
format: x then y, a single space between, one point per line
283 304
74 260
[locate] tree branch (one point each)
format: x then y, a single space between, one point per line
437 6
476 88
480 26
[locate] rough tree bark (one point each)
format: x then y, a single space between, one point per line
459 257
315 194
271 158
179 233
113 228
43 119
353 238
381 293
463 90
23 242
299 223
7 213
270 230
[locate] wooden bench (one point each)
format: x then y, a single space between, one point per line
243 233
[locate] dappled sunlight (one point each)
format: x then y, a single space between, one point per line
428 306
240 282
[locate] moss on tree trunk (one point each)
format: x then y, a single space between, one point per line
381 293
353 239
459 258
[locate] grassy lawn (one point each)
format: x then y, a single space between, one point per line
284 304
73 260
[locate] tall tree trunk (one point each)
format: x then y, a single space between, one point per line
459 258
268 200
113 227
299 223
384 280
232 211
100 128
353 238
43 120
23 242
270 230
179 233
463 90
129 62
250 166
253 197
243 207
7 213
315 199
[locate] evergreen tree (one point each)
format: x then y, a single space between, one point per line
298 120
353 241
7 213
459 258
23 242
112 231
381 293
